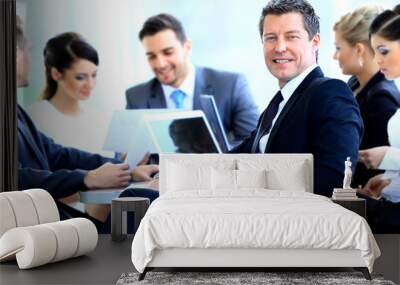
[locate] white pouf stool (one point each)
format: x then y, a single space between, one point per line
31 231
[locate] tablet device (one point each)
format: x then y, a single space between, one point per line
182 132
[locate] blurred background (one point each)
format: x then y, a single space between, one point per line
224 35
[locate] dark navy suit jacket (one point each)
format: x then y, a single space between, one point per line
50 166
232 95
378 101
323 120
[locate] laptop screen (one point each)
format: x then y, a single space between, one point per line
210 110
182 135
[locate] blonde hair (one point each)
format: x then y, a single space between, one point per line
354 26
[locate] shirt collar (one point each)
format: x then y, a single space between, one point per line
292 85
187 85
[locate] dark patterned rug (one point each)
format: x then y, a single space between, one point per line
270 278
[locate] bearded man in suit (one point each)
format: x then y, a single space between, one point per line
178 84
311 113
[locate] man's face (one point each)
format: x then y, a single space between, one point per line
23 62
168 57
288 51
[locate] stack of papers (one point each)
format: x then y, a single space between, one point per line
344 194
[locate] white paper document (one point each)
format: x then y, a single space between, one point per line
127 133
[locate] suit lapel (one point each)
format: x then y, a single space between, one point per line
317 72
201 87
157 98
256 141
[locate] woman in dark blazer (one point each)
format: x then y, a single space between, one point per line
378 98
384 215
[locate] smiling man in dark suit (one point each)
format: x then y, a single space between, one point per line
310 113
179 84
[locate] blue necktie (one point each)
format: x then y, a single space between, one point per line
267 119
177 96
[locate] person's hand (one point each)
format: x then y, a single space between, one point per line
144 172
372 157
154 184
108 176
375 186
145 159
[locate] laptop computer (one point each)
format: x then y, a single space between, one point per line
127 133
182 132
209 108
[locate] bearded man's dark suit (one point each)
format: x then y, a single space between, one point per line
322 118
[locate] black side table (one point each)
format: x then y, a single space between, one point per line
356 205
119 209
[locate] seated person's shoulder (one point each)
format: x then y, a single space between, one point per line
386 88
331 87
328 96
140 88
138 95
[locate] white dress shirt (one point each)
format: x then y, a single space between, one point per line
287 92
86 131
186 87
393 129
391 160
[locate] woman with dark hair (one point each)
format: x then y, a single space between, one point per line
63 55
377 96
71 69
63 171
385 40
384 214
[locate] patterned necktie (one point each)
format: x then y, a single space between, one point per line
177 96
267 119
